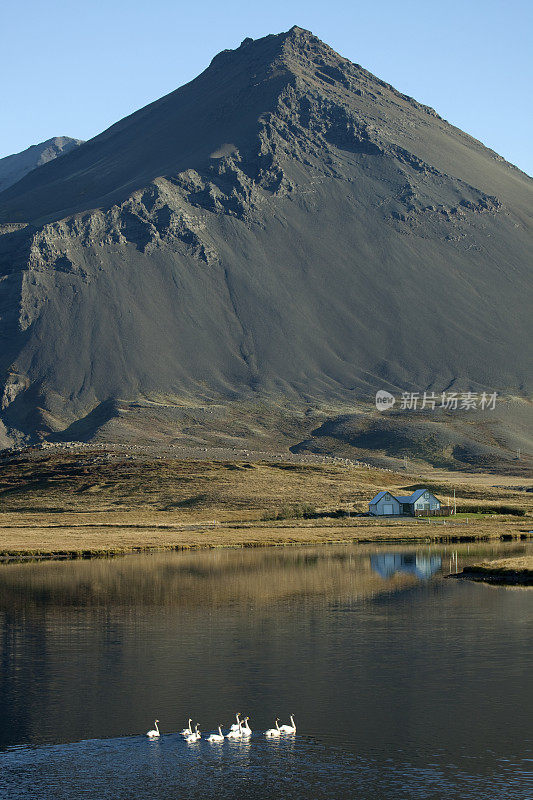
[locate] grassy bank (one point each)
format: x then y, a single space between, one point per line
39 539
505 570
65 504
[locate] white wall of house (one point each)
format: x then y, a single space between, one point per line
386 505
427 503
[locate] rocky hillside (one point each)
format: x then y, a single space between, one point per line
286 229
15 167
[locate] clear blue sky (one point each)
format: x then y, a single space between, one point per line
73 68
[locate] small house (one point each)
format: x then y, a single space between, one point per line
384 504
419 502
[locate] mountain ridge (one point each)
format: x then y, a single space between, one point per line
14 167
289 58
285 226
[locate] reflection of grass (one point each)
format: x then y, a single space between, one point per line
196 579
259 576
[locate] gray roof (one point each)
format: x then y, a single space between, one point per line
412 498
378 497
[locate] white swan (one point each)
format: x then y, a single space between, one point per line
236 725
289 728
245 729
235 734
273 733
194 736
187 731
154 733
216 737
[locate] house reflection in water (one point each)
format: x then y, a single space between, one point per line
423 566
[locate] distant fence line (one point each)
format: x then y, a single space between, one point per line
443 511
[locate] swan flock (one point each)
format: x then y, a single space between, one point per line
238 730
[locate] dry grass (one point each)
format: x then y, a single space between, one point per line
95 502
519 569
188 490
72 541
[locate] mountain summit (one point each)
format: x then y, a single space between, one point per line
16 166
285 227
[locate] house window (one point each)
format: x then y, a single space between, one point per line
426 495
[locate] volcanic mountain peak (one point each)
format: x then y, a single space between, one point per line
283 94
286 225
315 65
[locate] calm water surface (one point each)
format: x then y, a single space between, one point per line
404 684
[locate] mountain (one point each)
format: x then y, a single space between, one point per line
286 232
15 167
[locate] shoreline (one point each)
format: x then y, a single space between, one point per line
67 506
505 572
222 536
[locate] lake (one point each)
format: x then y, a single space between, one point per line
404 683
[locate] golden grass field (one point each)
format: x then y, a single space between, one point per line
98 502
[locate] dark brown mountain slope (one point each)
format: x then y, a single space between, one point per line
285 228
